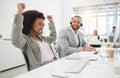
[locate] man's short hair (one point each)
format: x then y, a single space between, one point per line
114 27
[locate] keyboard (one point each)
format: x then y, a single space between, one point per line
76 66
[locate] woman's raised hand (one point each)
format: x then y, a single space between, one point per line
20 7
49 17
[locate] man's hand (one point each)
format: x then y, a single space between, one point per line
20 7
49 17
89 48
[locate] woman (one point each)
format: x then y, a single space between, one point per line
26 35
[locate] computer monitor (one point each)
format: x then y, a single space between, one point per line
117 38
92 38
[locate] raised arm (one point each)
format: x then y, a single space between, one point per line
17 36
20 7
52 36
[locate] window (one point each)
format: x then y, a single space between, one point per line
101 17
102 25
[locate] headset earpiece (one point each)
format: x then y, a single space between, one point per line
81 24
71 20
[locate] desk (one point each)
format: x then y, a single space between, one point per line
95 44
99 44
94 69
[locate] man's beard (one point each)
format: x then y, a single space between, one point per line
75 28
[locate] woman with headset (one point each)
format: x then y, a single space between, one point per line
27 35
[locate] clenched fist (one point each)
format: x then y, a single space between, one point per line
20 7
49 17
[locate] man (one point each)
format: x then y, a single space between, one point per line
113 31
70 40
111 37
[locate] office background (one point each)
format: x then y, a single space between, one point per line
62 11
96 14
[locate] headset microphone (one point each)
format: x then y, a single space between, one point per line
38 35
37 32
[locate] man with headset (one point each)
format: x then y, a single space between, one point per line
70 40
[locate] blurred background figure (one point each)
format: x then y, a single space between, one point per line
95 33
113 31
111 36
0 36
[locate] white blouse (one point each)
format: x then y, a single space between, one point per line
46 52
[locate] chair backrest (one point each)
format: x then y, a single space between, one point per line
59 50
92 38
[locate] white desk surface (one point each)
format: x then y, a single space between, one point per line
101 43
94 69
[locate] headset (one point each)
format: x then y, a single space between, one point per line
36 31
39 36
78 17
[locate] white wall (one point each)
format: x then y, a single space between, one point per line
8 9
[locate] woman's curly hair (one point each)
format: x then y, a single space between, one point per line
29 18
